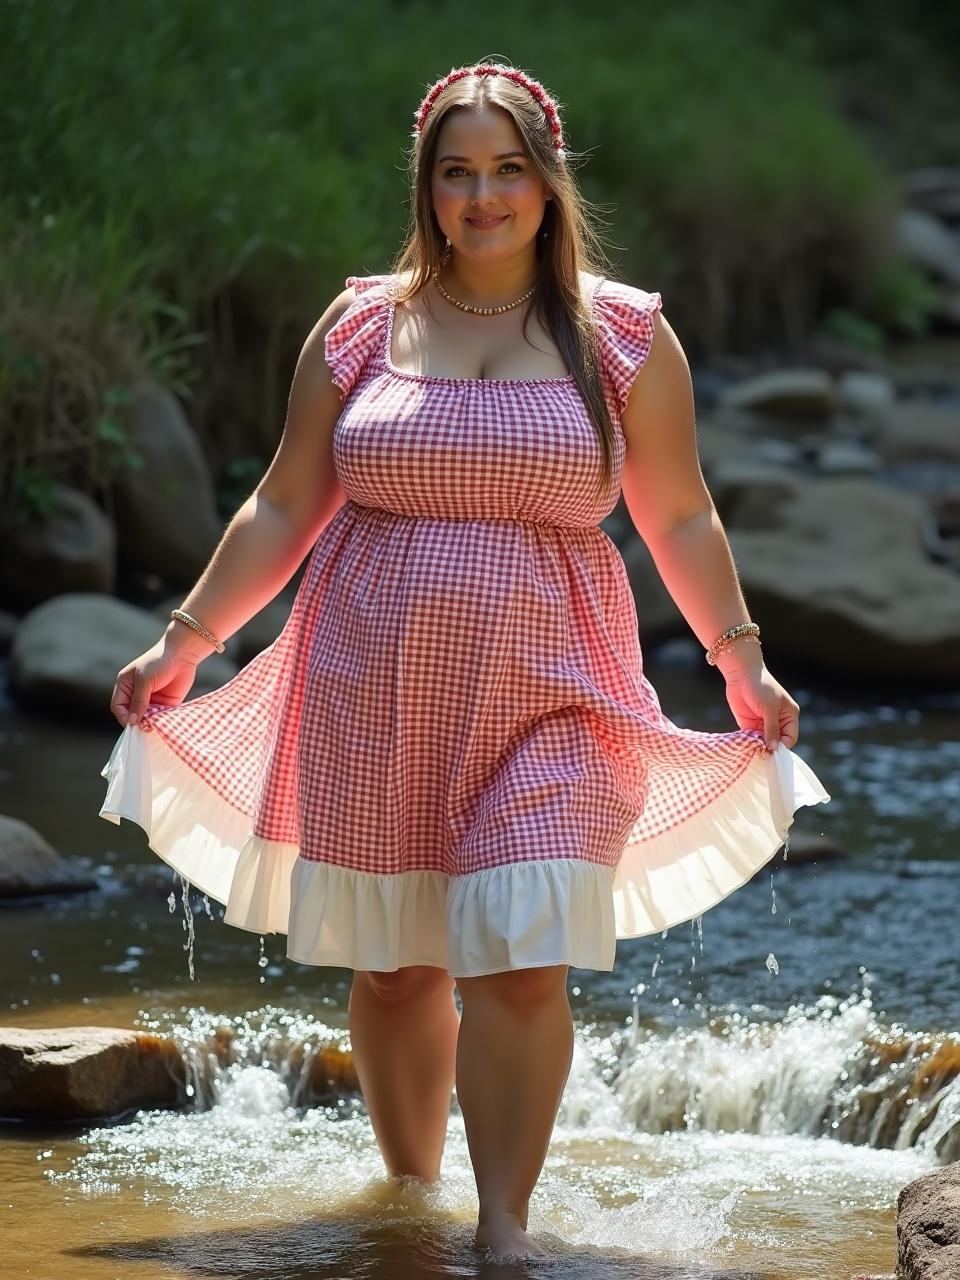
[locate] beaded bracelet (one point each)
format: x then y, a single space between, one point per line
734 633
198 627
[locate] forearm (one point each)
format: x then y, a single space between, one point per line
697 567
257 556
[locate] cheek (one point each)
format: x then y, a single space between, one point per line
527 194
445 199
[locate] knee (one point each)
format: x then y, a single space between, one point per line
411 982
518 990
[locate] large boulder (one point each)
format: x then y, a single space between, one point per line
28 865
166 510
784 393
77 1073
928 1226
916 431
839 578
72 547
80 1073
751 495
67 652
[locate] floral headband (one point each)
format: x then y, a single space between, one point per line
492 69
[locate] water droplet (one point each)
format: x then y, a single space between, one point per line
771 963
187 924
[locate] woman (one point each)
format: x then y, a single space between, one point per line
450 771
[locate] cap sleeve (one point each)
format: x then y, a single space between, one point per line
624 316
349 344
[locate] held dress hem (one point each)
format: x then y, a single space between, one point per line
514 916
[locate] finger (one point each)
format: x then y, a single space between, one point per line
790 725
141 696
771 725
120 699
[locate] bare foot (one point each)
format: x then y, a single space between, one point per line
505 1237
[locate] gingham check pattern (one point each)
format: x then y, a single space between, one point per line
459 685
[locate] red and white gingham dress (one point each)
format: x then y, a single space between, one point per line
451 754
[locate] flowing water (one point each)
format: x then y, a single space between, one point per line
749 1091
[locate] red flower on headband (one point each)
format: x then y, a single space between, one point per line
492 69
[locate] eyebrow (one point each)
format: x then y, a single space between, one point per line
506 156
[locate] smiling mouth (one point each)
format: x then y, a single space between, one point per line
487 222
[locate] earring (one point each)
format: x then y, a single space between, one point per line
445 256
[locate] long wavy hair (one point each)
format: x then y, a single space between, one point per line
566 244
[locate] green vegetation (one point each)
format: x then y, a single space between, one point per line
188 182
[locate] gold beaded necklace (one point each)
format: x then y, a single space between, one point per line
481 311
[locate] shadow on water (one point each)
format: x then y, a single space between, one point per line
388 1232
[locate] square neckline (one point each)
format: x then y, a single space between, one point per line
388 364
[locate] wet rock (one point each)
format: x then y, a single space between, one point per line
927 242
75 1073
717 443
935 190
29 865
72 547
750 494
838 356
67 652
166 511
915 431
862 391
785 393
780 453
941 529
840 578
846 457
928 1226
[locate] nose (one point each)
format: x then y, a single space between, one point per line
482 191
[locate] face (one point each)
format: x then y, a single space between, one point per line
482 171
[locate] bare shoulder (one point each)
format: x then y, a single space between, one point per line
334 310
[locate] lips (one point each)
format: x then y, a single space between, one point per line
487 222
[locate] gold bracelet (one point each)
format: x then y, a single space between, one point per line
198 627
734 633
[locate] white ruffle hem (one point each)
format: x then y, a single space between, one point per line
515 916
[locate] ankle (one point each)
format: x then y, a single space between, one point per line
495 1215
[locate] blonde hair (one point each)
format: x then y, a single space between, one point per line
571 243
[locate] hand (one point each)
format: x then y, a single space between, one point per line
760 702
164 675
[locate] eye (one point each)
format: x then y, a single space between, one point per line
508 164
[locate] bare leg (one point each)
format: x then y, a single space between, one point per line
403 1030
513 1060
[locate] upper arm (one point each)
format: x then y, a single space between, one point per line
301 479
662 482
